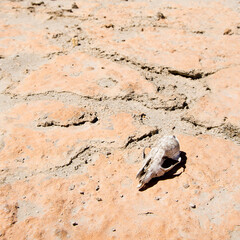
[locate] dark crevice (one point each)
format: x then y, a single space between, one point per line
132 139
156 103
146 213
57 124
191 74
197 124
228 130
125 59
73 158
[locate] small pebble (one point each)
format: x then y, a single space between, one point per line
97 188
157 198
82 193
24 197
114 229
71 187
177 200
121 196
99 199
228 31
211 198
186 185
191 205
74 223
74 6
160 16
166 192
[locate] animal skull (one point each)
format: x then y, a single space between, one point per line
162 158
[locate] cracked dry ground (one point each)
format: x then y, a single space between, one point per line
86 85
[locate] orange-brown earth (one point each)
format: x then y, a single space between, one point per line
85 86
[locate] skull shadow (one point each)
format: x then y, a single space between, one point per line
169 175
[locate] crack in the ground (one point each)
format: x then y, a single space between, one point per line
74 157
116 57
228 130
194 74
168 103
134 139
76 121
197 124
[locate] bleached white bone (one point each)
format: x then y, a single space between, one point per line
166 147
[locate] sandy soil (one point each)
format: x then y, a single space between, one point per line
85 86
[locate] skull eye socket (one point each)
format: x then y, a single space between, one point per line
168 162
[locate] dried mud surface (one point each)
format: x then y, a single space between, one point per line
85 86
